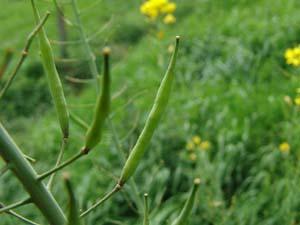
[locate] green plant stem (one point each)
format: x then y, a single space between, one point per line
24 54
116 189
122 157
89 53
61 166
146 210
15 205
4 169
22 169
30 159
18 216
79 121
6 61
58 161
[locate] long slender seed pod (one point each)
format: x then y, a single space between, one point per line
22 169
182 219
54 82
146 210
73 217
152 122
94 133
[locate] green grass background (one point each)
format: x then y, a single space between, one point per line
230 83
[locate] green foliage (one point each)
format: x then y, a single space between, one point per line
230 89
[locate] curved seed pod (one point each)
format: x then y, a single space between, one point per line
73 217
53 77
152 122
183 217
94 133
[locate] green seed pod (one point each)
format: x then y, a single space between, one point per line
53 77
187 209
73 217
152 122
94 133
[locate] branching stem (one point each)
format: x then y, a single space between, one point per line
24 54
15 205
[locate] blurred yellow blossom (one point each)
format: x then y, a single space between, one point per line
154 8
193 157
169 19
288 100
292 56
205 145
297 100
169 8
284 147
190 146
196 139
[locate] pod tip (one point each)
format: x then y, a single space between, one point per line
197 181
146 195
106 51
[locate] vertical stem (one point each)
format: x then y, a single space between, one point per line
39 194
62 31
58 161
89 53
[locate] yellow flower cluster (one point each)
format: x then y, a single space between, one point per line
292 56
284 147
155 8
288 100
196 143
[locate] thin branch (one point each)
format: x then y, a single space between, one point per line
78 80
80 122
58 161
116 189
4 169
6 61
15 205
30 159
22 218
89 54
24 53
61 166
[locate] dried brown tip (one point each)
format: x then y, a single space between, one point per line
106 51
197 181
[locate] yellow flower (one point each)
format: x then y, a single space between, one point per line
205 145
292 56
284 147
297 101
169 8
169 19
287 99
196 139
193 157
190 146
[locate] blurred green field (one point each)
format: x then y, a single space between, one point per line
231 82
